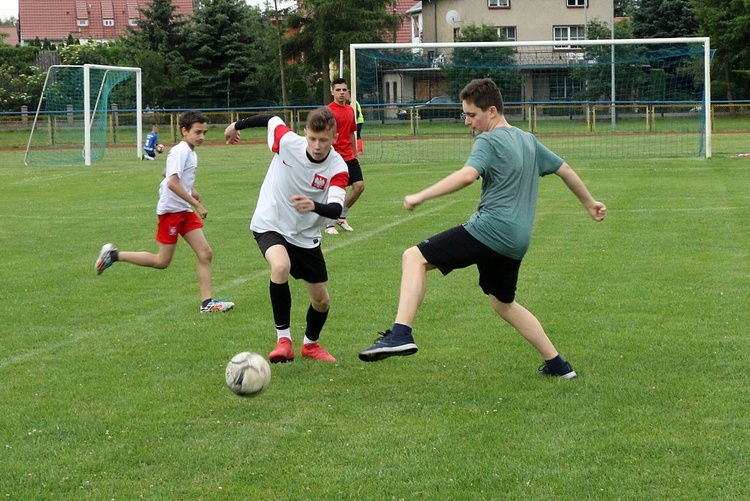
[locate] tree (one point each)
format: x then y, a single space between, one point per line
229 46
20 82
497 63
327 26
726 22
664 19
154 47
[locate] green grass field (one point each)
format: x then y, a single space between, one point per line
113 385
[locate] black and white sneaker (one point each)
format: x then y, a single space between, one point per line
563 370
387 345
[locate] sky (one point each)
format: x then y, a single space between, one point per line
9 8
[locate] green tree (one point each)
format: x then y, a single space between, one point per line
497 63
229 51
664 19
726 22
324 27
154 46
20 82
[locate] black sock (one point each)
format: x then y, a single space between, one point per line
281 303
315 321
206 301
114 255
555 362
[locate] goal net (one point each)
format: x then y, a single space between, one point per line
83 109
639 98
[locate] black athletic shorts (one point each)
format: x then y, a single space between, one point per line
456 248
307 264
355 171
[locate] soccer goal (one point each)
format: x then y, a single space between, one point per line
82 109
622 98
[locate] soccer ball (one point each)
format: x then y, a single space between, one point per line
160 148
248 374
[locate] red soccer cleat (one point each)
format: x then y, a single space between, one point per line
283 352
316 352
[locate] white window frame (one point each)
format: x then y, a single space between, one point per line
108 22
577 3
82 22
133 22
563 34
504 31
498 4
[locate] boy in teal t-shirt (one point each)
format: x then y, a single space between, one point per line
496 237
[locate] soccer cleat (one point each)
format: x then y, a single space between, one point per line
283 352
316 352
387 345
217 306
344 225
564 370
105 258
331 230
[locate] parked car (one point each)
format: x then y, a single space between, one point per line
438 107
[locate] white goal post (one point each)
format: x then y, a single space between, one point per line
75 99
575 55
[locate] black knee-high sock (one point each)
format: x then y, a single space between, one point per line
281 303
315 322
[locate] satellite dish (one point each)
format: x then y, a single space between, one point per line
452 17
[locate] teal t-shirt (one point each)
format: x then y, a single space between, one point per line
510 162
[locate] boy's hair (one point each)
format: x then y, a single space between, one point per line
338 81
154 127
321 120
483 93
189 118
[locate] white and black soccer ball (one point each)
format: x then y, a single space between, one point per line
160 148
248 374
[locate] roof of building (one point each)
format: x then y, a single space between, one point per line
402 7
97 19
12 32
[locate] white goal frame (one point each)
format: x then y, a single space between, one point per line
89 112
705 41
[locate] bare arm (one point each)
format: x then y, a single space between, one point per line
354 144
449 184
597 210
177 189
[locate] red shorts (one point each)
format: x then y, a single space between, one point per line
175 224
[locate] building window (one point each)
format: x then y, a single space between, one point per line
567 34
577 3
395 92
500 4
109 22
456 34
507 33
133 22
82 22
563 87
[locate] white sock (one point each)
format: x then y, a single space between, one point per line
343 212
287 333
306 340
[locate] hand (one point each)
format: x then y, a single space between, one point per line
202 212
411 202
597 211
302 204
231 135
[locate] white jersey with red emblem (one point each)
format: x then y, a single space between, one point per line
293 173
183 161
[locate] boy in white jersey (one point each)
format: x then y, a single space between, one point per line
304 187
176 217
496 237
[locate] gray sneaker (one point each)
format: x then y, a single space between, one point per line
387 345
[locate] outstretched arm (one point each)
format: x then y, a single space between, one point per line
232 132
449 184
597 210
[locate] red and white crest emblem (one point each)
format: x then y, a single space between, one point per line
319 182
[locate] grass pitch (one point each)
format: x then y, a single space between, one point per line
113 385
